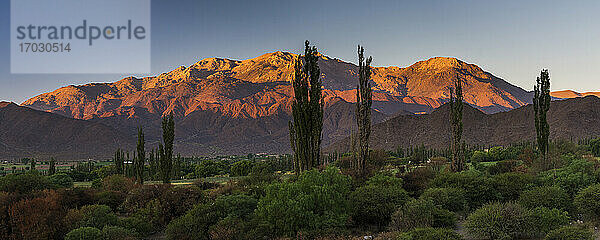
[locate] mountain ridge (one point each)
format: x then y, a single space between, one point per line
569 119
236 106
26 132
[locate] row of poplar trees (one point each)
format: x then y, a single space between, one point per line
541 105
307 110
160 159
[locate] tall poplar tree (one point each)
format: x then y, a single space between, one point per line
52 167
166 150
119 160
307 110
456 113
140 160
364 100
541 105
152 162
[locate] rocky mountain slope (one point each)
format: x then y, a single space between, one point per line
564 94
230 106
569 119
25 132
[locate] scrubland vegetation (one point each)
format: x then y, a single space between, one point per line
502 195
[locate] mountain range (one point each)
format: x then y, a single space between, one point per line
224 106
570 119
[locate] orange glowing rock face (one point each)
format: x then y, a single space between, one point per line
261 87
572 94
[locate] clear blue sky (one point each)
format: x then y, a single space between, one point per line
511 39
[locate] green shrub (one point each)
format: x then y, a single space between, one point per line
480 156
571 232
479 189
61 180
496 153
137 224
498 221
118 233
97 183
316 201
196 223
76 197
118 183
209 168
24 183
544 220
430 234
504 166
228 228
159 204
384 180
417 180
452 199
510 185
96 216
87 233
577 175
113 199
261 175
546 196
421 213
375 202
587 202
241 168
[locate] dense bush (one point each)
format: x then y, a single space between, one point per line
24 183
480 156
118 233
316 201
113 199
504 166
375 202
510 185
430 234
544 220
260 175
496 153
6 200
97 216
159 204
570 233
479 189
417 180
37 218
421 213
118 183
209 168
452 199
75 197
241 168
196 223
87 233
61 180
577 175
137 224
546 196
587 202
498 221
